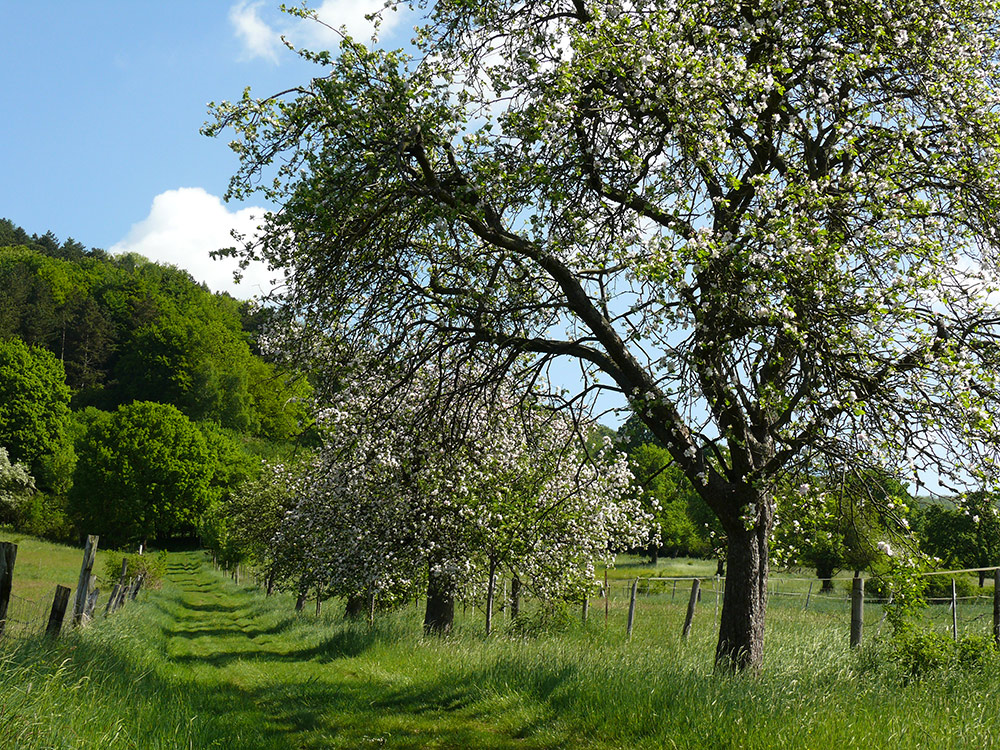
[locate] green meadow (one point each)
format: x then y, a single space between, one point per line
205 663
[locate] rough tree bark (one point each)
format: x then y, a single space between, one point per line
741 629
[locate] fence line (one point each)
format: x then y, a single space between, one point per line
29 617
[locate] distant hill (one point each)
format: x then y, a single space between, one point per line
126 328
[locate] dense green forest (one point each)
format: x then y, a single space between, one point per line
84 335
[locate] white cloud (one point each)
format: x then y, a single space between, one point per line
263 39
259 39
350 15
187 224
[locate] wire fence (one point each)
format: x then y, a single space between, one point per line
968 614
25 618
22 617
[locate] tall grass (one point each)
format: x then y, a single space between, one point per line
204 663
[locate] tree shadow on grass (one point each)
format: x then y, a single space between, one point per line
345 710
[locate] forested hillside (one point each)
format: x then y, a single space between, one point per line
84 334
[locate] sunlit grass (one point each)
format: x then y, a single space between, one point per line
206 663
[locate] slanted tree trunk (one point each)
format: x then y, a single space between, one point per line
741 630
440 613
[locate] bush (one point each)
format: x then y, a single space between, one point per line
939 587
46 517
152 567
920 651
977 652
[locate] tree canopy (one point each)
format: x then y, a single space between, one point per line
771 226
411 491
143 473
34 408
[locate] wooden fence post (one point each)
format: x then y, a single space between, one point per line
93 593
8 553
808 594
83 585
59 603
692 603
631 608
954 611
112 598
857 610
136 585
996 607
116 591
586 607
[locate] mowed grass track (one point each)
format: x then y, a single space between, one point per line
204 663
278 679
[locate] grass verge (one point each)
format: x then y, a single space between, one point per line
204 663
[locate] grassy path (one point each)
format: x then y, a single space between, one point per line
276 680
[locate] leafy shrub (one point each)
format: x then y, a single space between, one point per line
45 516
152 567
920 651
977 652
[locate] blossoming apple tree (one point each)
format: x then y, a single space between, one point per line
424 489
771 225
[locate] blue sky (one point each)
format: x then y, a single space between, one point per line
103 103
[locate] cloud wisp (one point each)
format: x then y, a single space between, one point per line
257 37
261 38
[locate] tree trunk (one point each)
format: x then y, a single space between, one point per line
300 603
490 593
270 583
720 567
440 613
824 571
515 597
357 607
654 552
741 630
